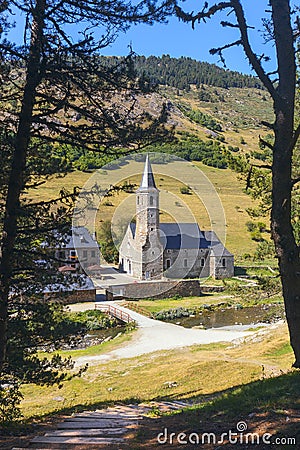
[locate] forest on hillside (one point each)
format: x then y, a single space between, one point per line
182 72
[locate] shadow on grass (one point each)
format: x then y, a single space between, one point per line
239 271
267 406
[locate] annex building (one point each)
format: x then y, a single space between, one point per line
154 250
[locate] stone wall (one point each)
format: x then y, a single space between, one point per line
154 289
212 288
187 263
220 271
80 296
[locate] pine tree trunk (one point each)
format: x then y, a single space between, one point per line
16 179
282 231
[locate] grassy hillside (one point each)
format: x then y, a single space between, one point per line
226 182
235 112
239 113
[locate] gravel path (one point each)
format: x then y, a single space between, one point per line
154 335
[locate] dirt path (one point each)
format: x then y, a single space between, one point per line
154 335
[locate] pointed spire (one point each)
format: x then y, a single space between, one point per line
148 178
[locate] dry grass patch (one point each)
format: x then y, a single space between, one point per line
199 371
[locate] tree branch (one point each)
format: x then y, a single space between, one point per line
263 166
219 50
266 143
233 25
295 181
254 61
295 138
268 124
206 12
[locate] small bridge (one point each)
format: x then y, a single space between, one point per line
114 312
139 309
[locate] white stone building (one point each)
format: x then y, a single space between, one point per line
78 249
154 250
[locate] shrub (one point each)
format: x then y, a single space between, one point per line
256 236
251 226
264 250
185 190
10 399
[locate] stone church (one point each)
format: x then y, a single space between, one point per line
154 250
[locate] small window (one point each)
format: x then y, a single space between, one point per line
84 253
151 229
151 200
168 263
93 253
223 262
202 262
185 263
138 200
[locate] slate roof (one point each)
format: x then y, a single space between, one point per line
180 235
175 236
80 237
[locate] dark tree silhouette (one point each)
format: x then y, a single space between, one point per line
55 91
280 29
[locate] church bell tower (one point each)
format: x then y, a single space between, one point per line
147 236
147 204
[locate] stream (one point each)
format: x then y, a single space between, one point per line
232 317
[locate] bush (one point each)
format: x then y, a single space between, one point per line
94 320
175 313
256 236
261 226
10 399
185 190
264 250
251 226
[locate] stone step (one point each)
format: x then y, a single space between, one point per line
92 432
76 440
109 415
130 408
100 423
102 416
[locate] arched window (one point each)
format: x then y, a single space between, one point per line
151 200
138 200
223 262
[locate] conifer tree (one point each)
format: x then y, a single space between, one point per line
283 29
55 93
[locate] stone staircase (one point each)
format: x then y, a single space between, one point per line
111 427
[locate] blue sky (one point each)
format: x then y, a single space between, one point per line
179 39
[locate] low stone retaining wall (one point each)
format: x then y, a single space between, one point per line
212 288
154 289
